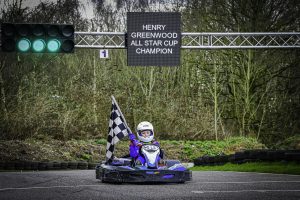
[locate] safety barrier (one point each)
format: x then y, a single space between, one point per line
53 165
250 156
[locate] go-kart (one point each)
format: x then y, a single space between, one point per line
126 170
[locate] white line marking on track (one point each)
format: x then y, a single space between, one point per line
246 182
49 187
251 173
236 191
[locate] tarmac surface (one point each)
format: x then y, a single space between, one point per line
81 184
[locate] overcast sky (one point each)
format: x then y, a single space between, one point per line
87 13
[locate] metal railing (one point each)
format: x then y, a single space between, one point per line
98 40
116 40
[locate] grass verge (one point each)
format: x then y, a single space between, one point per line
94 150
262 167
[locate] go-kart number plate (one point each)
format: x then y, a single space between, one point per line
150 147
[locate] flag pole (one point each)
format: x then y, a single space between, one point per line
114 100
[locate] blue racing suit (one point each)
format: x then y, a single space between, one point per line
135 146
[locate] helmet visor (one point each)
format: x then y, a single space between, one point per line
145 133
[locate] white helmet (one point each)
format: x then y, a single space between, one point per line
145 131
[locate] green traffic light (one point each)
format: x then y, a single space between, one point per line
37 38
38 45
23 45
53 45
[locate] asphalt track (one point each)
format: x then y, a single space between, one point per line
205 185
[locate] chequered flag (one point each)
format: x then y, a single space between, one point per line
116 131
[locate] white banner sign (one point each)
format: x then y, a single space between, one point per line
103 53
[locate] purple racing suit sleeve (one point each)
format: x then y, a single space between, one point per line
131 136
133 150
156 143
134 146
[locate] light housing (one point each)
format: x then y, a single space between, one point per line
37 38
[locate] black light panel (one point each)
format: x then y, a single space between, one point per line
153 39
37 38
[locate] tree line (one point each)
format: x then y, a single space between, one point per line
213 94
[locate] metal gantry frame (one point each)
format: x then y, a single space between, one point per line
261 40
